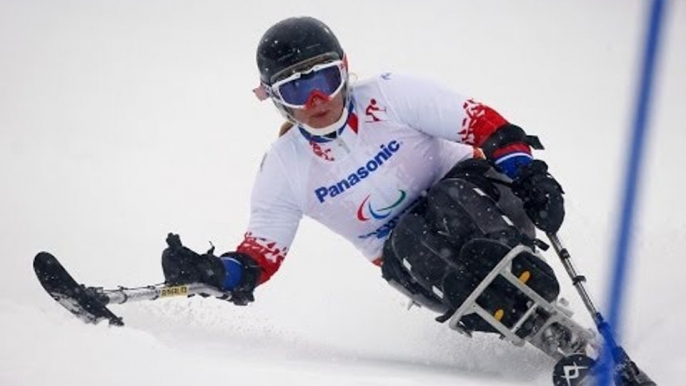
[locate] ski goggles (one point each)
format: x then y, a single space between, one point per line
326 79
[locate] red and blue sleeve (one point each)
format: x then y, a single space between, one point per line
503 143
439 111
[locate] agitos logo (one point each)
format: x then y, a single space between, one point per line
366 211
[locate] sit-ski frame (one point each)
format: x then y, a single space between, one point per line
558 314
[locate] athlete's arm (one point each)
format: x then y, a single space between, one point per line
274 218
438 111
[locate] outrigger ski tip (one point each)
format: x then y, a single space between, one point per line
90 303
85 303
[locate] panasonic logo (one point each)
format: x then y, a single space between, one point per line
360 174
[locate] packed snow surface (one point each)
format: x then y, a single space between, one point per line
122 121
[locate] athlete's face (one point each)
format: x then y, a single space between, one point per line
320 112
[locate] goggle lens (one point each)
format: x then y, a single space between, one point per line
296 92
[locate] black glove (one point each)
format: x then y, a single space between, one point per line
541 196
184 266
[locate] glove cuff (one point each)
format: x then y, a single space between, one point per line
249 276
233 273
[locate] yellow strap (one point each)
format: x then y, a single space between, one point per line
525 276
499 314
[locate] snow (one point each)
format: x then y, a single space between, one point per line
122 121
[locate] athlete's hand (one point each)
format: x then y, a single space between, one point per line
541 195
234 273
184 266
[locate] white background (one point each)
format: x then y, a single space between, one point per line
121 121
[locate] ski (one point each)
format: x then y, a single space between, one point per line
574 366
624 370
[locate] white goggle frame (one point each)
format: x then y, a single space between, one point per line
273 91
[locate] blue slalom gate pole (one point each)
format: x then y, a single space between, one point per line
634 163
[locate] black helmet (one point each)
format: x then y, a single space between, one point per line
292 41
